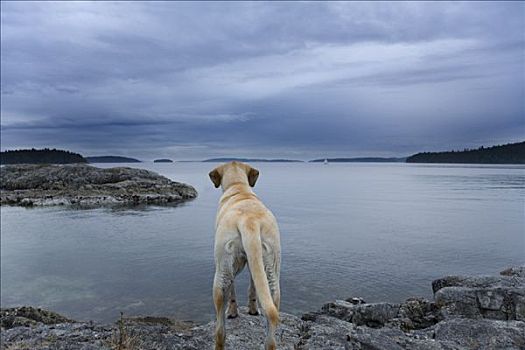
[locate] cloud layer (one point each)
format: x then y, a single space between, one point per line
299 80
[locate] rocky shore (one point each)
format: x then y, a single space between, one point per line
468 312
85 185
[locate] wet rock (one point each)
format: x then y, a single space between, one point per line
85 185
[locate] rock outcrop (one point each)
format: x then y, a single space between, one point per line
28 316
467 318
85 185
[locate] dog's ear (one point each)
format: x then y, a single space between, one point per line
253 174
215 177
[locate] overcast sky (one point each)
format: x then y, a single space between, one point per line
296 80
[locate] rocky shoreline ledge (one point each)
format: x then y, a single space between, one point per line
468 312
87 186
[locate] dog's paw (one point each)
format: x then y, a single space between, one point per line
254 313
235 315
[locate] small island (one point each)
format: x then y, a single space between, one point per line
111 159
163 160
84 185
512 153
40 156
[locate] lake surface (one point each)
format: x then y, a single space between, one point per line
379 231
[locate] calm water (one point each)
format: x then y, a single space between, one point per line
380 231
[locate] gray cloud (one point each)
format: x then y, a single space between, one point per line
192 80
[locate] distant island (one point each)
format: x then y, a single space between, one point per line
360 160
112 159
40 156
251 160
512 153
163 160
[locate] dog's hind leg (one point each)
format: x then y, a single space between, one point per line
271 266
276 293
219 299
252 298
221 288
232 306
273 281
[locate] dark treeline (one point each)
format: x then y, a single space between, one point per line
40 156
512 153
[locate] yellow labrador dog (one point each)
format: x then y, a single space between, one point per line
246 232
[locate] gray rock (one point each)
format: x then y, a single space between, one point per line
247 332
518 271
418 313
508 281
356 300
64 336
27 315
415 313
340 309
325 332
380 339
482 334
461 318
371 315
457 301
375 315
494 297
85 185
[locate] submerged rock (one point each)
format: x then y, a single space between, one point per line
343 325
85 185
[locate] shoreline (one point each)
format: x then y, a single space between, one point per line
468 312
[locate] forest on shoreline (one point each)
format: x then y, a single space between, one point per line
512 153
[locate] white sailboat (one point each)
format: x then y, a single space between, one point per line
325 162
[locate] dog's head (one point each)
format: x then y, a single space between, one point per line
234 172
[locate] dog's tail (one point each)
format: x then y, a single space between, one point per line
251 241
